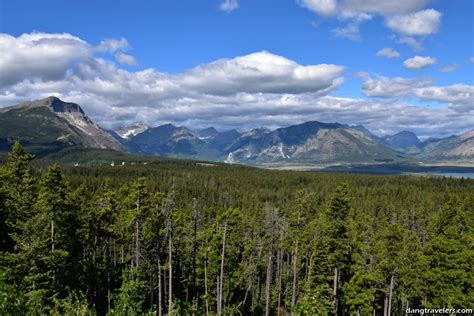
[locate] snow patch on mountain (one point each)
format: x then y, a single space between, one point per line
129 131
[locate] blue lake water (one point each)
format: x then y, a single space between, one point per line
469 175
401 169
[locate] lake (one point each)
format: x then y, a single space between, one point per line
400 169
469 175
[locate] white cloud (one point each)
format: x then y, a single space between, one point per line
321 7
384 8
260 72
414 44
424 22
352 29
450 68
113 45
229 5
355 7
419 62
402 17
39 56
388 53
471 60
125 59
459 96
260 89
383 87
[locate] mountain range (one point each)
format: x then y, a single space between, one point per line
50 125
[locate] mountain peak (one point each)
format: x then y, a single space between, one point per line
53 123
403 139
130 130
206 132
56 105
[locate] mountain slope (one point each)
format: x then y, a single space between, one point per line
128 131
401 140
206 133
310 142
450 148
169 140
50 123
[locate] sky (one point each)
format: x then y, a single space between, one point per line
387 65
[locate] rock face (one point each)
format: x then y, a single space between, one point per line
401 140
129 131
172 141
310 142
52 123
454 147
206 133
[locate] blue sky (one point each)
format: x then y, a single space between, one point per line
172 38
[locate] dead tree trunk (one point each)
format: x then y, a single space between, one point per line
169 232
194 250
268 283
335 289
137 243
52 247
170 276
137 230
221 279
295 278
279 274
160 308
205 285
390 296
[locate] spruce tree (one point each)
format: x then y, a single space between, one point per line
450 257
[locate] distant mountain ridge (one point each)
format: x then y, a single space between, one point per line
453 147
401 140
52 124
128 131
49 124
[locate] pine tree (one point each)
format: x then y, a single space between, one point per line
17 194
337 243
450 257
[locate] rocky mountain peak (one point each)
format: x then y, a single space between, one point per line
57 105
403 139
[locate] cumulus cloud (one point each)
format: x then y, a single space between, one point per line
260 72
383 87
321 7
388 53
356 7
419 62
229 5
91 78
459 96
384 8
259 89
404 17
424 22
39 56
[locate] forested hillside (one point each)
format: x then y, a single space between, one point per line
187 238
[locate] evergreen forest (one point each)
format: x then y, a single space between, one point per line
178 237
